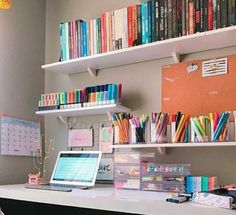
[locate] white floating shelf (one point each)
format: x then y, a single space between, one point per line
220 38
84 111
172 145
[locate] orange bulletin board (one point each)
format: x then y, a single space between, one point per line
193 94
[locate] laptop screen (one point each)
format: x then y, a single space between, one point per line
76 168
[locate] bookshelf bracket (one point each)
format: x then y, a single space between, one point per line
176 57
63 119
161 151
92 72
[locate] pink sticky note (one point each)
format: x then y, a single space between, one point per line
80 137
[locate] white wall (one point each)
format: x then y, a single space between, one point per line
141 84
22 41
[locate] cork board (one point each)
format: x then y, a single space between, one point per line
196 95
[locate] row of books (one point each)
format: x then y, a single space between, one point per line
150 21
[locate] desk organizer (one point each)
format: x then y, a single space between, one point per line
164 177
127 169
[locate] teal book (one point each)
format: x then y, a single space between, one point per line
143 14
153 21
62 54
98 32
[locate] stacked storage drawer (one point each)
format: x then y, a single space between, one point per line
127 169
164 177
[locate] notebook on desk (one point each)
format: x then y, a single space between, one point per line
73 169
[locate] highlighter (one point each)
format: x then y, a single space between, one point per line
101 95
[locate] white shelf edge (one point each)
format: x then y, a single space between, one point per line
91 110
172 145
179 45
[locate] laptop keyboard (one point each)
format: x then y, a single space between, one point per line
51 187
55 187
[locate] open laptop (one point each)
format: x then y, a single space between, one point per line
73 169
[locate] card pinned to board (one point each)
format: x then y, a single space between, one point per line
197 95
106 139
80 137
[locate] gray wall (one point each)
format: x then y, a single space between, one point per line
22 41
141 84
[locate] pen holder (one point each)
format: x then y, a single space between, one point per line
121 135
224 134
138 135
157 135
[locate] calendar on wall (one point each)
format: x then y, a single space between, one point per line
19 137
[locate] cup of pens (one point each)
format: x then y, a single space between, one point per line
121 127
212 127
138 127
159 122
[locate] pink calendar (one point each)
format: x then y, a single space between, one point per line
19 137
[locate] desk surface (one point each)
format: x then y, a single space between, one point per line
104 197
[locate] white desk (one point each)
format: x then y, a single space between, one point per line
103 197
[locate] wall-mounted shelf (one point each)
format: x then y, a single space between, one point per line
173 145
85 111
220 38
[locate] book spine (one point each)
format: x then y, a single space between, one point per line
179 18
85 38
146 22
95 36
162 20
82 38
102 33
99 37
113 30
135 25
153 21
187 17
70 40
132 26
157 8
231 12
183 18
90 39
149 16
218 14
205 16
214 13
191 17
197 16
108 30
62 55
171 18
119 28
166 19
129 14
75 40
224 13
210 15
67 41
139 24
125 29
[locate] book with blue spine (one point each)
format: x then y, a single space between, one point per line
62 57
144 18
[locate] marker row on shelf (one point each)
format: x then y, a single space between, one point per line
88 96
